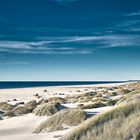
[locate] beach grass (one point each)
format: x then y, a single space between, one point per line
48 109
4 106
22 109
110 125
61 120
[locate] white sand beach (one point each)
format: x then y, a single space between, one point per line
21 127
52 91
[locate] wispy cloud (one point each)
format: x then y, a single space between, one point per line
127 24
105 40
65 1
70 45
71 39
121 41
14 63
137 13
41 47
14 45
57 52
78 44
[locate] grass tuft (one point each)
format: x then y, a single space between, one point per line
4 106
120 123
61 120
22 109
48 109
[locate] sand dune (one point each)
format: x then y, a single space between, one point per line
21 127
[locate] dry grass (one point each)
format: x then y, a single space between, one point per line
112 102
22 109
137 91
85 97
125 129
123 91
52 99
18 110
95 98
61 120
120 123
31 105
4 106
0 118
57 99
113 93
48 109
99 102
129 98
42 101
1 114
133 86
94 105
130 87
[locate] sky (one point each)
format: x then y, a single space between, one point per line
69 40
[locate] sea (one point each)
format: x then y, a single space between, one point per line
27 84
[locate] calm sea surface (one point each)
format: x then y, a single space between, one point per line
4 85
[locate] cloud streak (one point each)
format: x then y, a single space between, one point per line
65 1
40 47
137 13
70 45
79 44
14 63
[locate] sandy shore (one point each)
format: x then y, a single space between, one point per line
27 93
20 128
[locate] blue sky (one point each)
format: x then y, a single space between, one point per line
56 40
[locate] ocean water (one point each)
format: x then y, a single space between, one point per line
5 85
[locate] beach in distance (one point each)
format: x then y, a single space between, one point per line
21 89
58 112
30 84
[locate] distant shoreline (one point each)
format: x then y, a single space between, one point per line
27 93
36 84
